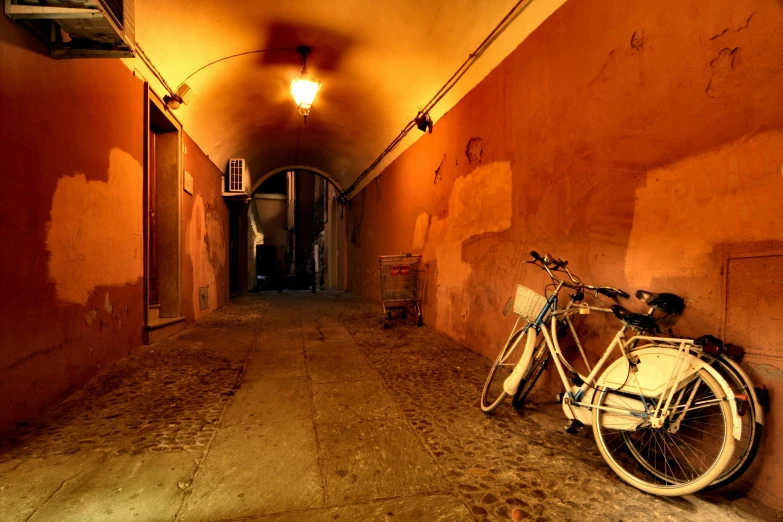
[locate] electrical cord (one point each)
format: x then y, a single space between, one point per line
450 83
159 76
234 56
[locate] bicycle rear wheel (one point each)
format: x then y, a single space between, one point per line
493 394
675 459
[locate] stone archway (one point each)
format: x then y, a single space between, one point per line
278 170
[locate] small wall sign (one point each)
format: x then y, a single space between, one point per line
188 182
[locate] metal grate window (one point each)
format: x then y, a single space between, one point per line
236 170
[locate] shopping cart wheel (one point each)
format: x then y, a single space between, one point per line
386 325
420 322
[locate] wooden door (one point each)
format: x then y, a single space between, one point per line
153 224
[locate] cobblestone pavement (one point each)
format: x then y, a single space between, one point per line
301 407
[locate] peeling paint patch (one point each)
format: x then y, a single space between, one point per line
439 170
420 231
727 30
474 150
766 371
722 67
89 315
207 245
107 304
479 203
637 40
89 219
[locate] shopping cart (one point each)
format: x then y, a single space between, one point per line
400 285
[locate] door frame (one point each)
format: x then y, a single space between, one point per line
152 99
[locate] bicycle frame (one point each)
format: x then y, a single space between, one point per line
665 404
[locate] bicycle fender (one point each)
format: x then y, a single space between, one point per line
511 383
751 390
655 368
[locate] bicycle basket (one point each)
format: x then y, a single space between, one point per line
528 304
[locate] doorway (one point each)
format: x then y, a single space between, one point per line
266 267
162 218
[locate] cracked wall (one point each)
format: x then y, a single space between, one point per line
645 158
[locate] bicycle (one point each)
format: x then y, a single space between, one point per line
666 308
664 420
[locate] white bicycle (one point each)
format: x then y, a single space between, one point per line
664 420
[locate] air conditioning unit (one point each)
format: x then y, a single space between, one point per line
79 28
237 177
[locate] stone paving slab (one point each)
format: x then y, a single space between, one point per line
352 401
325 368
26 484
277 399
332 347
311 333
321 321
220 339
257 470
277 319
421 508
268 342
281 331
271 364
237 317
373 460
131 487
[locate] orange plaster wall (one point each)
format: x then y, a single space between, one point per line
205 229
640 140
71 219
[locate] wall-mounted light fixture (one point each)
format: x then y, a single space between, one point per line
304 88
173 101
423 121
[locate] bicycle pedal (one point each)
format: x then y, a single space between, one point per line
559 398
573 426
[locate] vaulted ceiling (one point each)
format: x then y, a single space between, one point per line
378 61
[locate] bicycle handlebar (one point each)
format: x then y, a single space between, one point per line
560 265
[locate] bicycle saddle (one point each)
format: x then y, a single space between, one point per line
639 321
668 303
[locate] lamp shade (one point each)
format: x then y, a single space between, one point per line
304 92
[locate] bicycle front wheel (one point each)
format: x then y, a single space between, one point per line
537 366
493 394
686 454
